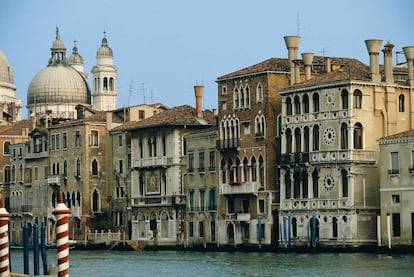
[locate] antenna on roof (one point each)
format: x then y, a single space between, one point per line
298 27
143 89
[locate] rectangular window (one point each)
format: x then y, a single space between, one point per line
94 139
192 200
395 165
396 227
65 140
129 160
121 166
202 200
230 205
245 206
212 165
261 206
141 114
120 140
201 162
55 141
36 174
190 162
201 229
395 199
212 200
191 229
223 105
224 90
77 138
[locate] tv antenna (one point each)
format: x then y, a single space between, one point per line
143 89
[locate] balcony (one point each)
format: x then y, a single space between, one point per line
239 188
27 209
56 180
228 144
292 158
340 156
152 162
243 216
148 201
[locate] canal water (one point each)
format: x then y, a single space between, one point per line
185 263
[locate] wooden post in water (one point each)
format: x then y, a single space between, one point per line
62 236
4 241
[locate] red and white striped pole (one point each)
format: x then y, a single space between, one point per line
62 236
4 241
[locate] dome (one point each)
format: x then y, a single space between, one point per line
75 58
104 50
58 84
6 73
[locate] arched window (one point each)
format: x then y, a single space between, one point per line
261 171
223 171
21 172
236 98
344 175
68 202
94 167
254 169
358 136
298 140
296 184
242 99
78 198
315 184
73 199
315 138
65 168
288 141
344 98
7 174
245 170
6 148
401 103
334 227
105 83
357 99
111 84
287 185
344 136
95 201
297 104
78 168
259 93
288 106
306 138
305 184
315 99
247 102
305 103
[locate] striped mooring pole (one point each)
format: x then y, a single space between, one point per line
61 213
4 241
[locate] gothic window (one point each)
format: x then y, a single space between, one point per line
357 99
13 173
254 169
236 98
401 103
305 103
95 201
259 93
261 171
297 104
315 184
78 168
358 136
288 141
296 184
287 185
298 140
315 138
304 184
245 170
260 125
247 102
344 175
7 174
315 99
288 106
344 99
6 148
242 99
344 136
78 198
306 139
94 138
94 167
223 171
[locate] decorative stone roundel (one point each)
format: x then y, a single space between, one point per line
329 182
329 135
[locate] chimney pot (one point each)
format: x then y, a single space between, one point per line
292 44
307 61
373 47
388 72
409 55
198 92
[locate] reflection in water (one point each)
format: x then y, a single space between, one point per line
179 263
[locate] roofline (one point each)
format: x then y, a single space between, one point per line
166 125
251 74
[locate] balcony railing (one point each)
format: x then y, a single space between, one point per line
158 200
152 162
239 188
228 144
293 158
56 179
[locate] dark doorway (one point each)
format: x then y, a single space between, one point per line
230 232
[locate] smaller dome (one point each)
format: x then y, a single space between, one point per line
58 43
6 73
104 50
75 58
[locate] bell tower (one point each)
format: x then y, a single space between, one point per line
104 79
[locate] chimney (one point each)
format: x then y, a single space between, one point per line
389 77
409 55
307 61
292 44
198 92
373 47
328 66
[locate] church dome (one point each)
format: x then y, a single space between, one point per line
75 58
6 73
58 84
104 50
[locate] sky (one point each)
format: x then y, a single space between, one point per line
162 48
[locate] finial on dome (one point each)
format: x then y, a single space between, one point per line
57 33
